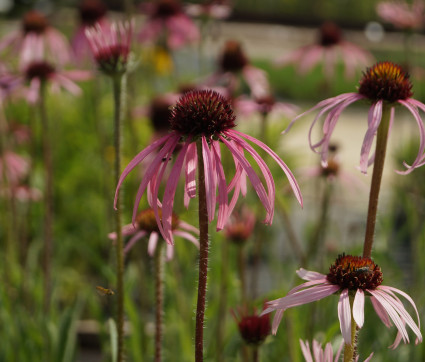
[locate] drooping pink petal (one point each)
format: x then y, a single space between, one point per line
185 226
169 252
170 192
381 312
358 308
305 349
310 275
190 171
286 170
344 316
210 187
137 236
374 119
153 241
309 284
187 236
222 187
276 320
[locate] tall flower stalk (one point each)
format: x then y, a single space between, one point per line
111 49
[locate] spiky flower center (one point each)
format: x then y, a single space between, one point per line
146 220
355 272
202 113
330 34
34 22
331 169
233 58
91 11
386 81
167 8
40 70
254 329
113 59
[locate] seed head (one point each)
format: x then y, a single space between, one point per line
233 58
167 8
41 70
202 113
91 11
34 22
386 81
330 34
355 272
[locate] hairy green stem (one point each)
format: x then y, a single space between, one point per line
119 98
159 298
378 167
203 259
242 273
48 197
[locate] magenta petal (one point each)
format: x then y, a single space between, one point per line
132 241
169 193
358 308
190 171
136 160
210 187
222 188
344 315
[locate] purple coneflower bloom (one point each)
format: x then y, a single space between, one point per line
146 225
323 355
167 19
234 62
35 38
401 14
266 106
253 328
111 46
91 13
351 277
204 119
41 72
240 226
329 49
385 83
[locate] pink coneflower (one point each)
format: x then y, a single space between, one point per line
37 38
266 105
212 9
232 63
351 277
91 13
329 50
254 328
39 73
403 15
111 46
13 168
204 119
166 20
146 226
385 85
240 226
323 355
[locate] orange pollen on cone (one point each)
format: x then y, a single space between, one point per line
146 220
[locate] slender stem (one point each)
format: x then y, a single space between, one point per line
48 196
241 268
381 147
203 259
159 298
350 351
118 82
256 354
222 301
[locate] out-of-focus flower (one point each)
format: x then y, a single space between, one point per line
241 225
403 15
91 13
352 277
328 50
146 226
201 121
385 82
265 106
40 73
212 9
254 328
37 40
111 46
168 24
323 355
234 62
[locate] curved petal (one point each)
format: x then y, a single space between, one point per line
344 316
305 349
132 241
187 236
310 275
153 241
222 188
190 172
210 186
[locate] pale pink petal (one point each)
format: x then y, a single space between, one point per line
305 349
309 284
369 358
153 241
358 308
257 81
187 236
188 227
310 275
381 312
311 57
318 351
276 320
222 187
344 315
210 187
338 353
190 171
169 252
137 236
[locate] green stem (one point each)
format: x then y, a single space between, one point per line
256 354
350 351
203 259
241 269
118 85
159 298
378 167
48 196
